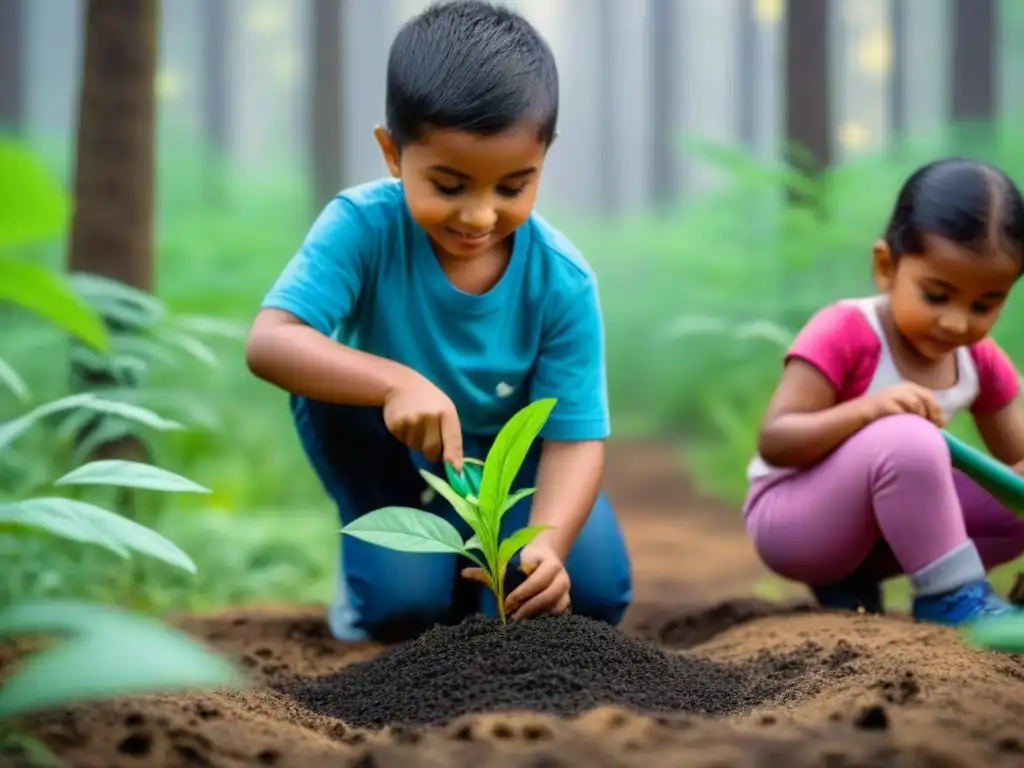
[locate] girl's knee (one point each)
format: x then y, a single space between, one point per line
905 441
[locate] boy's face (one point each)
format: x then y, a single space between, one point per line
468 192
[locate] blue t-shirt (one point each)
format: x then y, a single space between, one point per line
367 276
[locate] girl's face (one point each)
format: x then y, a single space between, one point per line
946 297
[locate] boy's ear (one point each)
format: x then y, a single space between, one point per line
883 267
388 149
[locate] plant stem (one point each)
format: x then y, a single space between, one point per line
499 592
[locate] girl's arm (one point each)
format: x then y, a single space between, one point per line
1003 433
803 422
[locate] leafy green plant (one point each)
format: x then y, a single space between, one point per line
102 651
480 497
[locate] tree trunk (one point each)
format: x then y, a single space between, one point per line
215 34
898 75
974 98
325 102
808 118
663 79
12 65
112 225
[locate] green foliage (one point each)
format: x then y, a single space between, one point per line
101 652
105 652
411 530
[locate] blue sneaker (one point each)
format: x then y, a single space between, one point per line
850 595
966 604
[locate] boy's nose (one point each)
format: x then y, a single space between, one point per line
479 218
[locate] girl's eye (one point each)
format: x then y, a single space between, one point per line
935 298
447 190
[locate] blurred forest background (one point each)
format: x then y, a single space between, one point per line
724 164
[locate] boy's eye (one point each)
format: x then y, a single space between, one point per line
446 190
511 191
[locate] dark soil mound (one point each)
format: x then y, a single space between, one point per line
561 665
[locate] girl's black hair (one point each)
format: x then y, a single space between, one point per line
960 200
473 66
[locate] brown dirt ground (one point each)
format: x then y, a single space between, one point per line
880 691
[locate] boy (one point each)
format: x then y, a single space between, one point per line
423 310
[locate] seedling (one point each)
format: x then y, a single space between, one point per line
481 496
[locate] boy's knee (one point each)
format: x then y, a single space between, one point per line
391 596
604 591
391 615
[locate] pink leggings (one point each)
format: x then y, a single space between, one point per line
886 502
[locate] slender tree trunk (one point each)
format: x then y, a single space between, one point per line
808 115
215 33
747 67
112 226
12 65
975 95
898 73
325 102
664 77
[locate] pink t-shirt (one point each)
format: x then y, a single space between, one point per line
845 341
840 342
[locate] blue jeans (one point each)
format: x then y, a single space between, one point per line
389 596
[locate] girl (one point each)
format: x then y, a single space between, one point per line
852 483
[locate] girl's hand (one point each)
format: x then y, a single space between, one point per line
906 397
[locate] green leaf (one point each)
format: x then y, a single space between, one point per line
407 530
81 521
508 453
59 520
11 430
473 542
998 633
44 292
467 511
213 326
13 381
102 291
517 541
130 474
514 499
33 206
105 653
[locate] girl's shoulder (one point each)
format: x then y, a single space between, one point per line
998 379
840 341
843 325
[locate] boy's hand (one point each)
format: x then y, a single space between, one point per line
546 589
423 417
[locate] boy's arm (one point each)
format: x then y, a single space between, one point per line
568 481
290 345
571 368
286 352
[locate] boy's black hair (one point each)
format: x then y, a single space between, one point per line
471 66
960 200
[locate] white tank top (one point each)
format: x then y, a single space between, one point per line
952 400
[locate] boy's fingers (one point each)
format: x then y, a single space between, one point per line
451 439
477 574
430 444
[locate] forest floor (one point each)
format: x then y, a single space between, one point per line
700 673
